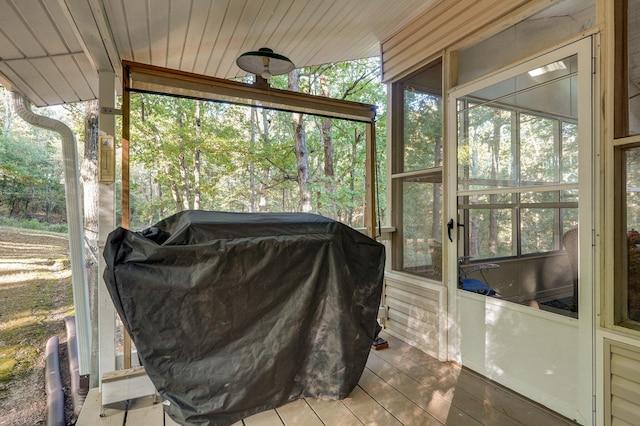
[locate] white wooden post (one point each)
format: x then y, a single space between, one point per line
106 222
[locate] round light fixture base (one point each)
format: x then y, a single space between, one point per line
265 63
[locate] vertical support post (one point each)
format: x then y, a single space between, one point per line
370 175
106 224
126 211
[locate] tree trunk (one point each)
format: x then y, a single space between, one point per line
159 192
252 167
175 193
9 113
494 150
89 172
263 204
184 181
327 142
196 160
300 148
183 167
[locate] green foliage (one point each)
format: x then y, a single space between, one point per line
187 153
422 131
502 147
30 179
35 224
31 166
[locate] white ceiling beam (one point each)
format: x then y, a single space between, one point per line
89 22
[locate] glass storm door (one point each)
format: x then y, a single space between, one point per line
520 228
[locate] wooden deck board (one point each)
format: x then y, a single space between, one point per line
333 412
298 413
401 385
368 410
265 418
90 413
401 407
436 402
149 415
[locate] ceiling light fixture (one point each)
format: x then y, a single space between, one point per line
554 66
264 63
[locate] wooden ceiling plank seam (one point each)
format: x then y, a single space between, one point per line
148 26
138 26
54 69
333 21
179 21
73 75
158 24
207 41
252 36
40 84
196 32
62 23
363 47
38 21
215 26
88 21
329 42
89 74
345 37
229 23
115 15
55 79
342 35
368 45
443 37
383 27
65 55
322 31
8 49
245 22
274 22
20 85
288 21
308 21
378 25
16 29
276 16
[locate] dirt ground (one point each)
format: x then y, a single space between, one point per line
35 296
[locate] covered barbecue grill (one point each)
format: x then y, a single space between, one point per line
236 313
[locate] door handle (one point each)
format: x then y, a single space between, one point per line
450 227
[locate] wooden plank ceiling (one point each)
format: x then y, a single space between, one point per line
51 50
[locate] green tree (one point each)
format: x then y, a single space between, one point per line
215 156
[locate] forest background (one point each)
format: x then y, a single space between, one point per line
191 154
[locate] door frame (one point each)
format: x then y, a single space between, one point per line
587 116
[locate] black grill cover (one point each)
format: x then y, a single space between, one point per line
236 313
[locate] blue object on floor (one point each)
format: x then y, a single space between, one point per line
477 286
